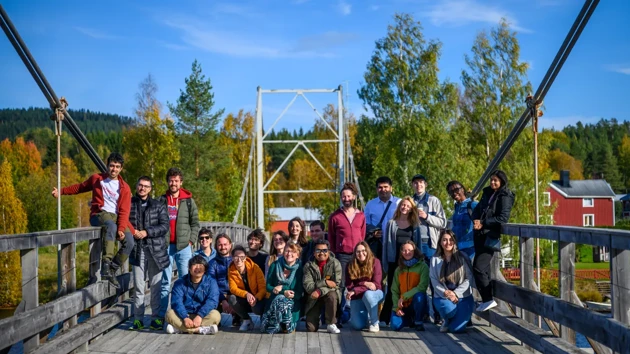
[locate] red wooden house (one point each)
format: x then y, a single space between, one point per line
582 203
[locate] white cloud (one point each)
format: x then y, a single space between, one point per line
196 34
172 46
344 8
374 7
622 69
462 12
96 34
558 123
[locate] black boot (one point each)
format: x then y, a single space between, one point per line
108 272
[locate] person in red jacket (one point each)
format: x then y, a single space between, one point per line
346 228
111 204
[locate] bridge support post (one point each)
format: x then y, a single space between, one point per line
95 269
67 275
527 271
567 283
620 284
30 290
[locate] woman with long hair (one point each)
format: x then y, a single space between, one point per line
402 227
363 282
489 215
452 281
279 241
284 283
297 234
409 289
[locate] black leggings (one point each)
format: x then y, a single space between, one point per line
482 271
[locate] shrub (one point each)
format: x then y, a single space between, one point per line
589 295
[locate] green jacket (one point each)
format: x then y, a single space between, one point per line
187 225
313 280
408 281
296 286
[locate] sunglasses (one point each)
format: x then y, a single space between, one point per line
321 251
204 237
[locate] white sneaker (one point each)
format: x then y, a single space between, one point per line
444 327
247 325
374 328
332 328
485 306
213 329
172 330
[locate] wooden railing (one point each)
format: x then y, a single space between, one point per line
32 318
592 274
604 334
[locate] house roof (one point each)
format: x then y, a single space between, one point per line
625 197
289 213
589 188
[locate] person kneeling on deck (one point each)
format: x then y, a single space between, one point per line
409 288
247 287
365 293
322 276
193 301
452 280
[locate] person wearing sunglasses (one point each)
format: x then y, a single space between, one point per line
462 218
205 245
247 287
322 278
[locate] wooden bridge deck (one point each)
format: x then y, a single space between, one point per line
479 339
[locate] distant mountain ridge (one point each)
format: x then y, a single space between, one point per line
14 121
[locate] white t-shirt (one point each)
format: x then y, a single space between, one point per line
111 193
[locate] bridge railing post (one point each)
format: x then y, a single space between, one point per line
620 284
527 270
68 275
566 284
96 252
30 290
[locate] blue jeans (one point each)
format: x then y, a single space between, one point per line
413 313
364 308
180 258
456 315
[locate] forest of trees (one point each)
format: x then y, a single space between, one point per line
419 124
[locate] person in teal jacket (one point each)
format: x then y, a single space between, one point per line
284 284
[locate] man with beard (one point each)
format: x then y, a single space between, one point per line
378 211
184 227
150 255
218 270
346 228
111 201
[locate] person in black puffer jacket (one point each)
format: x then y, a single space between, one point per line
150 253
488 217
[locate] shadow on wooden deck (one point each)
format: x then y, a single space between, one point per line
479 339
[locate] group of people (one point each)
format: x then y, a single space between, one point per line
380 263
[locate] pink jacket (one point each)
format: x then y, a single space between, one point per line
342 235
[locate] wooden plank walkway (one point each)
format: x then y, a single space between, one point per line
479 339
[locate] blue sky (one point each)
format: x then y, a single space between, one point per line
96 53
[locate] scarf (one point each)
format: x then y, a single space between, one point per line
282 265
410 263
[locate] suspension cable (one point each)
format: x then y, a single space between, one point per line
562 55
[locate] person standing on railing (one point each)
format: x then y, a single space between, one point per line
462 218
255 243
184 227
452 279
150 253
491 213
111 203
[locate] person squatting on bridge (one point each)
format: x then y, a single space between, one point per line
150 252
322 278
452 280
248 290
218 270
184 227
409 289
285 285
111 203
488 216
193 301
363 282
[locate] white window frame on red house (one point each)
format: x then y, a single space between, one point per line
584 220
546 199
585 205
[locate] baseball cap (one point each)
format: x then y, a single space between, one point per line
418 176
